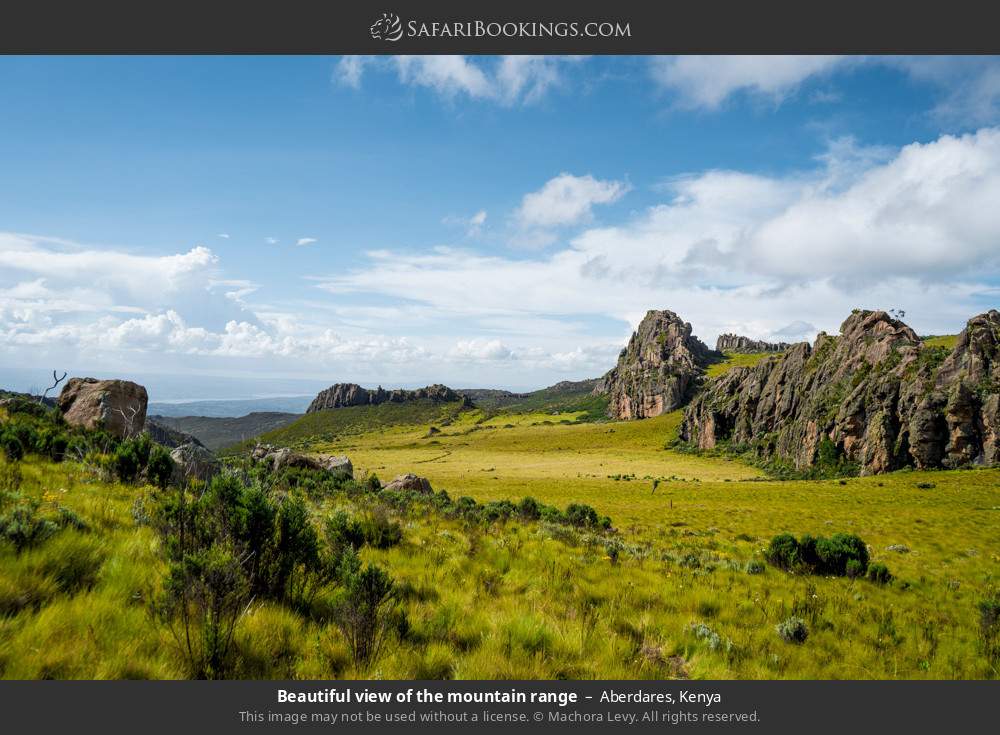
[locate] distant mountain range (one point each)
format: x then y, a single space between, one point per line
231 408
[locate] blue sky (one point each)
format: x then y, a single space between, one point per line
478 221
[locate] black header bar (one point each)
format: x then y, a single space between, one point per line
511 26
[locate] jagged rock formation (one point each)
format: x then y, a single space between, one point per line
117 406
193 462
876 396
658 370
342 395
739 343
168 436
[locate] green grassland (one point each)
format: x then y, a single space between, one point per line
735 359
527 599
947 341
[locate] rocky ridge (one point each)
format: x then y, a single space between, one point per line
658 370
746 345
343 395
875 396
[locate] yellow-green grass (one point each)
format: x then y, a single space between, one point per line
948 341
734 360
526 600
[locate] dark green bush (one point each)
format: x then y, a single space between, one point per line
836 552
843 554
364 612
578 514
12 446
159 467
497 510
783 551
125 462
879 573
529 509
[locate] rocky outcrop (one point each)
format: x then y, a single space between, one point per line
117 406
343 395
193 462
746 345
875 396
659 369
410 483
168 436
280 458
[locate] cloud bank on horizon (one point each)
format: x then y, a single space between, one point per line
524 283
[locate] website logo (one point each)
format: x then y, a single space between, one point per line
387 28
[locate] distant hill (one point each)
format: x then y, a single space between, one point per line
568 395
328 425
231 408
218 432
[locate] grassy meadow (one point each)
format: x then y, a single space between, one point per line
680 588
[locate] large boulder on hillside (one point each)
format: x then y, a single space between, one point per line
116 406
659 369
194 462
410 483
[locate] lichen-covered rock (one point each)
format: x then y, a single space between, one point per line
194 462
279 458
746 345
343 395
411 483
658 370
875 395
116 406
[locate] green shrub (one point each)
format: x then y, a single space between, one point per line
529 509
754 567
23 527
843 554
835 553
159 467
580 515
378 531
125 462
854 569
783 551
497 510
879 573
12 447
363 612
792 630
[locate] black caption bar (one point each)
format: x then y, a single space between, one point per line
635 707
512 26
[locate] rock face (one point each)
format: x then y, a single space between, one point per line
342 395
876 396
738 343
117 406
167 436
193 462
411 483
658 370
279 458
